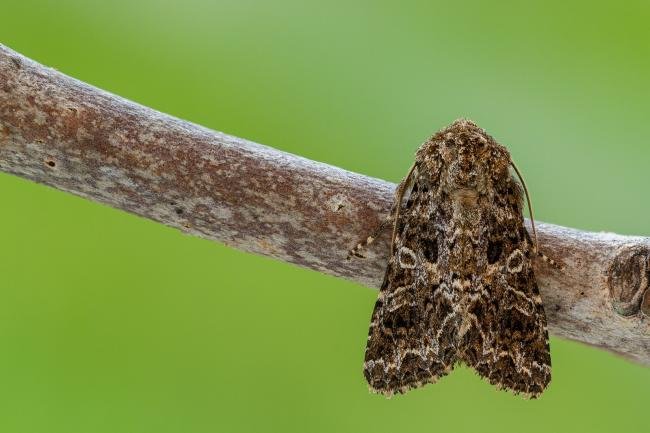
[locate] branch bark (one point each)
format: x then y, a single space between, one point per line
61 132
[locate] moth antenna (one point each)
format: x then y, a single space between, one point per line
530 206
398 204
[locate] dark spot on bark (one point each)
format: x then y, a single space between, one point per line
50 163
16 61
179 211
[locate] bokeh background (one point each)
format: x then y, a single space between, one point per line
112 323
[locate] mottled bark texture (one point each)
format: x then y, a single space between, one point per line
61 132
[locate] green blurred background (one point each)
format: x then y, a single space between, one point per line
112 323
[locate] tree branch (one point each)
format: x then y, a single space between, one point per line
61 132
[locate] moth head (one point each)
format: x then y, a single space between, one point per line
467 163
467 159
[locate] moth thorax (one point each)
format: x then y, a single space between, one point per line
465 197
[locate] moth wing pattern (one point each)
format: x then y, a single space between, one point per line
460 286
506 341
409 344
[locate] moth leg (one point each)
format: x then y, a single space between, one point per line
536 252
550 261
399 196
391 219
364 243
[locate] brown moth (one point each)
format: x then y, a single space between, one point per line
459 286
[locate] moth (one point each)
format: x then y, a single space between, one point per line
459 286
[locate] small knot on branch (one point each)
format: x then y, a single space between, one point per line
645 303
628 281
